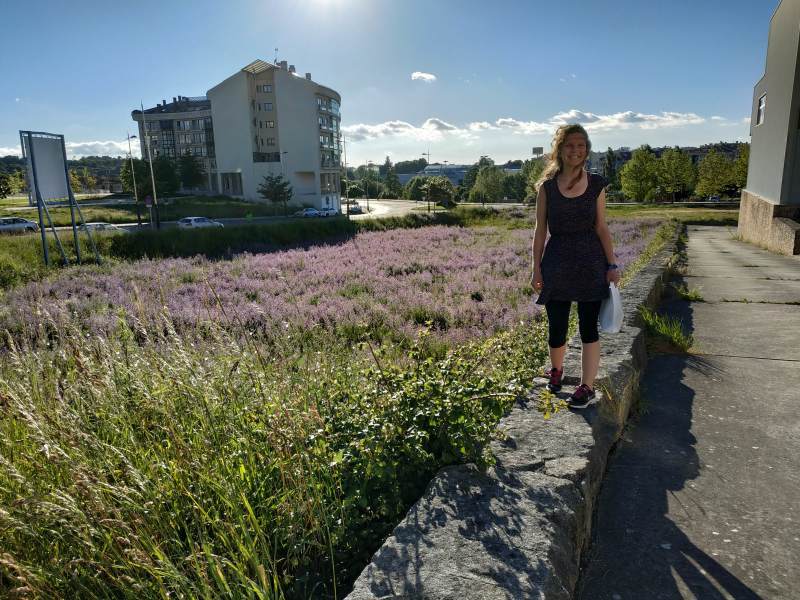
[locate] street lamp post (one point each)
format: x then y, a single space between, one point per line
133 176
154 222
366 183
346 182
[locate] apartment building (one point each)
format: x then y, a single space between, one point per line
269 120
177 128
770 210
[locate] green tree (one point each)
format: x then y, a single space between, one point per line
489 183
514 186
191 171
639 176
5 185
405 167
371 185
533 170
393 185
354 190
75 182
414 189
472 173
714 174
166 175
142 173
740 166
676 175
439 189
18 182
88 181
610 168
277 190
384 168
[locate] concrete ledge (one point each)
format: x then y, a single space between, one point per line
520 529
772 226
786 236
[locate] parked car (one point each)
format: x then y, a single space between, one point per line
307 212
103 228
197 223
714 198
355 209
17 225
328 212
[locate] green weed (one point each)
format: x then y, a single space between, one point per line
666 328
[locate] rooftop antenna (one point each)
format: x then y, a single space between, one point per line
276 56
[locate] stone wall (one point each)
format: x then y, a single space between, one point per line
775 227
520 529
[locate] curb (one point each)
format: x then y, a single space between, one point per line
520 529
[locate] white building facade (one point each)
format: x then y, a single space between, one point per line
267 120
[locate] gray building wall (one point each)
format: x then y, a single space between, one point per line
774 162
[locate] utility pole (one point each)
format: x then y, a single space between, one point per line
427 190
133 175
154 222
346 183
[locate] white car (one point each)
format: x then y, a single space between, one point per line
197 223
308 212
328 212
17 225
103 228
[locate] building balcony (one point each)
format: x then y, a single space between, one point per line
327 163
265 157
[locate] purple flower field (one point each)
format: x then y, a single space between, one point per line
470 282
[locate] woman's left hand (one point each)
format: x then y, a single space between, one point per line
612 276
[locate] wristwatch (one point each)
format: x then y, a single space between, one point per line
611 267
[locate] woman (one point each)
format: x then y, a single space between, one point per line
578 263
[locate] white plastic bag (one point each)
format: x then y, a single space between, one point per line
611 311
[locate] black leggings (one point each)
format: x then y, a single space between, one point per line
558 321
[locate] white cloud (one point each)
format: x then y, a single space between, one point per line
106 148
17 99
480 126
438 125
422 76
746 120
81 149
717 118
523 127
434 128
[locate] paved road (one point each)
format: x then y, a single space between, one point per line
702 498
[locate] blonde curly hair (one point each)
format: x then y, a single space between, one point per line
554 163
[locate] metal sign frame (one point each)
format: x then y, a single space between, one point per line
28 153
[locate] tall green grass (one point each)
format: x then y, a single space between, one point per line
150 465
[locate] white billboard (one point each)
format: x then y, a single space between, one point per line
46 152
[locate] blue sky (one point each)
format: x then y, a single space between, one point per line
492 77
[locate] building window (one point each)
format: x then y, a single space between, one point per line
270 141
762 107
259 107
271 124
268 106
232 183
322 139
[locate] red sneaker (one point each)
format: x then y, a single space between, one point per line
582 397
555 375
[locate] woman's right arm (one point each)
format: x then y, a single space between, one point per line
539 237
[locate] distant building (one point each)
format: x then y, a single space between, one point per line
770 207
267 120
180 127
455 173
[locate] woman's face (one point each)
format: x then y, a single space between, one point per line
573 151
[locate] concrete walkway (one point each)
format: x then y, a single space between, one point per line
702 497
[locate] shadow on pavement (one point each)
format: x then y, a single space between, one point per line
639 549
